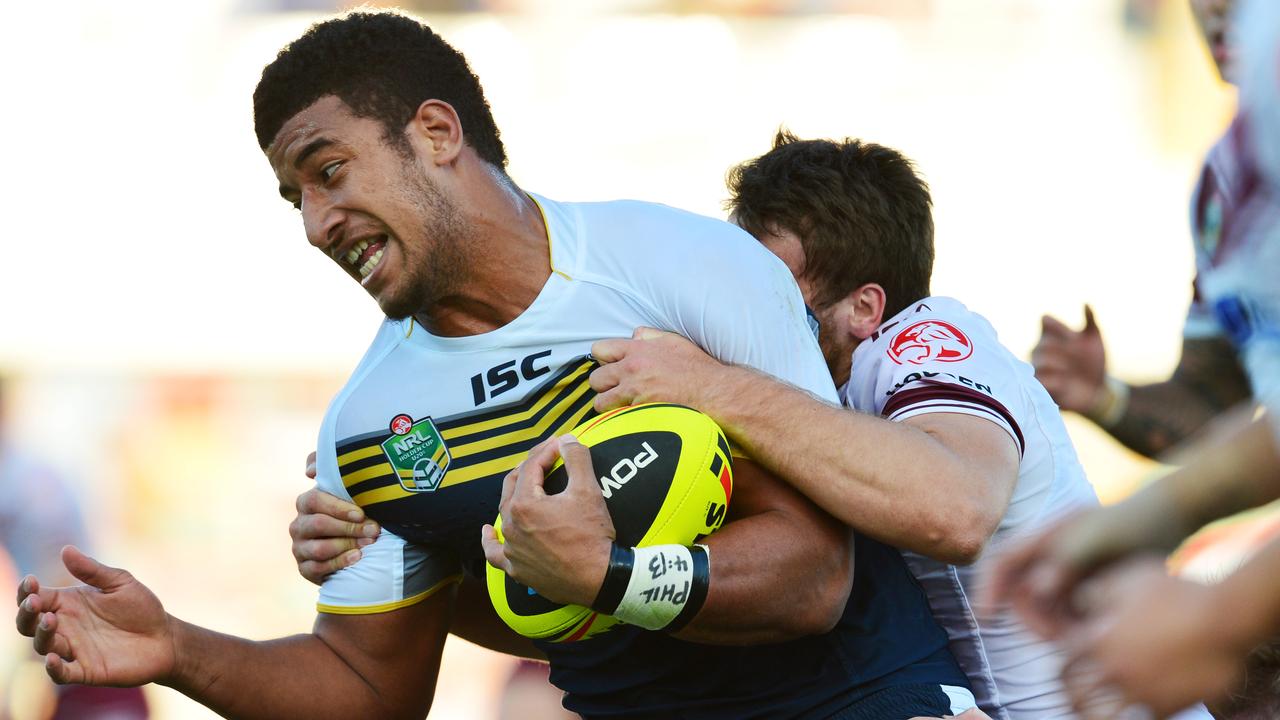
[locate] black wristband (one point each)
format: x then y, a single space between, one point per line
616 579
698 587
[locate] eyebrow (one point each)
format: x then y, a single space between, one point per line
310 149
307 151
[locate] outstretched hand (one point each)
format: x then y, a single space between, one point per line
556 544
653 366
1071 364
110 631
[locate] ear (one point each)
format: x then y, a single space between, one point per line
866 310
436 131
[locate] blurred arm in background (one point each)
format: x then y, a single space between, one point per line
1148 419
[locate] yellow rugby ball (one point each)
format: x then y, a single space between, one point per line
666 475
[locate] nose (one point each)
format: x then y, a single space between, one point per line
322 220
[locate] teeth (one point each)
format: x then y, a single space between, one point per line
370 264
354 253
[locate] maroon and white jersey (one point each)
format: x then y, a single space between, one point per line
1247 269
1235 217
938 357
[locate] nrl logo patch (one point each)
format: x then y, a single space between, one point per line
417 453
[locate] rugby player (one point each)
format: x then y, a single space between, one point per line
951 449
380 135
973 453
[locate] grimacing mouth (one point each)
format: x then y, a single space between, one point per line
363 256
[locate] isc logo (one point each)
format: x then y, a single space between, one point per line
625 469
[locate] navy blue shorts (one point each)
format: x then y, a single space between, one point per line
901 702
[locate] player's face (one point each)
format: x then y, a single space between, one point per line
369 205
1213 17
836 342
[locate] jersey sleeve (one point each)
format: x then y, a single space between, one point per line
391 573
931 365
719 287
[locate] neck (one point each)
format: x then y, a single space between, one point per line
507 258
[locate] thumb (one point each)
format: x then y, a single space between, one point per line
1090 325
494 552
90 571
647 333
577 462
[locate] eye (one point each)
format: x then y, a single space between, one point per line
328 171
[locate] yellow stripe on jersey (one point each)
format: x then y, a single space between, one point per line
360 454
523 414
387 607
556 404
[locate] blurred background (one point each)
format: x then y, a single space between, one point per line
170 341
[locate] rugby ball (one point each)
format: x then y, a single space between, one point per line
666 475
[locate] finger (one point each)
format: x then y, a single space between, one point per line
611 400
315 572
61 671
605 378
1052 365
508 488
327 549
1050 325
612 350
91 572
494 552
648 333
29 611
577 461
44 640
316 501
1090 324
325 527
533 471
311 465
27 586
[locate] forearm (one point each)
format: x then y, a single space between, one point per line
1160 416
1233 469
879 477
766 591
1157 417
294 677
1236 467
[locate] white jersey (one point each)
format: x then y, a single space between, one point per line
938 357
1250 272
1235 215
427 426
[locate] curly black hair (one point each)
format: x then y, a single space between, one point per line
860 211
383 65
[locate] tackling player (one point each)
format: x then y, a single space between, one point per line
952 447
380 135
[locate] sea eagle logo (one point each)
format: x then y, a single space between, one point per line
930 341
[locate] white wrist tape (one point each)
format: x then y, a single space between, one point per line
661 579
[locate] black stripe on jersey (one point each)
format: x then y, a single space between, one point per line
457 443
519 446
365 462
355 442
478 416
460 440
